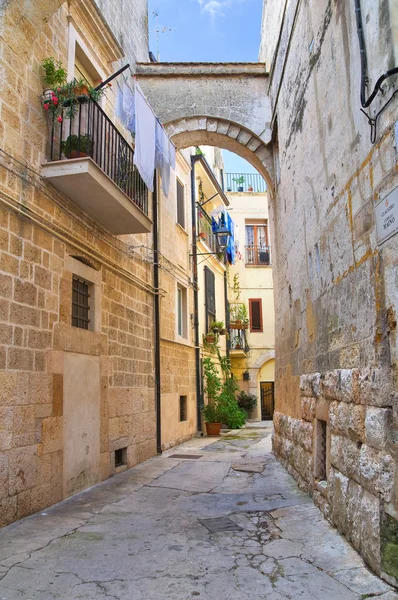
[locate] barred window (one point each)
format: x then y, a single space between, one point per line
80 303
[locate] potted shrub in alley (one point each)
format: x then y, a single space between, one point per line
212 389
239 182
77 146
212 416
247 401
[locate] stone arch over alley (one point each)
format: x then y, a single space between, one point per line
215 104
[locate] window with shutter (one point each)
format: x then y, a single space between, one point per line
256 315
180 204
210 295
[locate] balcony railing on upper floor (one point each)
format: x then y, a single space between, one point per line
205 231
238 340
244 182
258 255
91 133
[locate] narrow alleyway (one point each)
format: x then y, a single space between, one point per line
210 519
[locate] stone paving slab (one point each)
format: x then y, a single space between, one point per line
138 536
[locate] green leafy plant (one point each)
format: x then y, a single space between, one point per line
238 312
236 287
239 180
216 326
54 73
212 413
247 401
82 144
212 380
232 414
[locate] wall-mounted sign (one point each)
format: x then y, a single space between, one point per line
386 213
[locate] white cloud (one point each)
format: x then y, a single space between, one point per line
216 8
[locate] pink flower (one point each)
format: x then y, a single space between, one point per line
58 89
46 106
55 100
59 119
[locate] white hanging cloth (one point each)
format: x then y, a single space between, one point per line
125 106
172 151
162 157
144 153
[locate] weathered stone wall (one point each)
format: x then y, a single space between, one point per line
39 233
336 289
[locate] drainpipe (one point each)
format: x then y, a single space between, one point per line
226 312
157 313
199 398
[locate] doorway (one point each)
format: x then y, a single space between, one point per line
267 400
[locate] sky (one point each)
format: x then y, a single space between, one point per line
208 30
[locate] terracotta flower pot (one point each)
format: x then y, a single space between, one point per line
76 154
213 428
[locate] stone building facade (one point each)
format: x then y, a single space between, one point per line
70 398
254 367
336 425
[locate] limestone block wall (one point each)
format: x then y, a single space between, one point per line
56 378
335 287
177 352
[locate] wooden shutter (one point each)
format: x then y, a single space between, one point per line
210 297
180 204
256 316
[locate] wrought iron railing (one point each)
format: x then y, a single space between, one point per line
90 132
244 182
258 255
238 340
205 231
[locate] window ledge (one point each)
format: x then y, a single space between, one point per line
182 229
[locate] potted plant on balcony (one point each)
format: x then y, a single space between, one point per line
77 146
216 327
250 188
54 76
239 182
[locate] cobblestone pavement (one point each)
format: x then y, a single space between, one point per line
230 525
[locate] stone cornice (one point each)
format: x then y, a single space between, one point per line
87 13
201 69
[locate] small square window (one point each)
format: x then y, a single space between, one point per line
183 408
80 303
120 457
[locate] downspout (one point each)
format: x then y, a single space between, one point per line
199 398
157 313
226 312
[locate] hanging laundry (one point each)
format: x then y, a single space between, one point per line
158 145
144 154
125 106
129 108
172 152
165 171
162 157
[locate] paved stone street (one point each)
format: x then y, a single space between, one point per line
231 524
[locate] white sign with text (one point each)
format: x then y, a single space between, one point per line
386 213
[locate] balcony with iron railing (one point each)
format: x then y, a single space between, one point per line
238 343
244 182
92 164
205 231
259 256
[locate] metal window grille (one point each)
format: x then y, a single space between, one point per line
120 457
80 303
320 450
183 408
